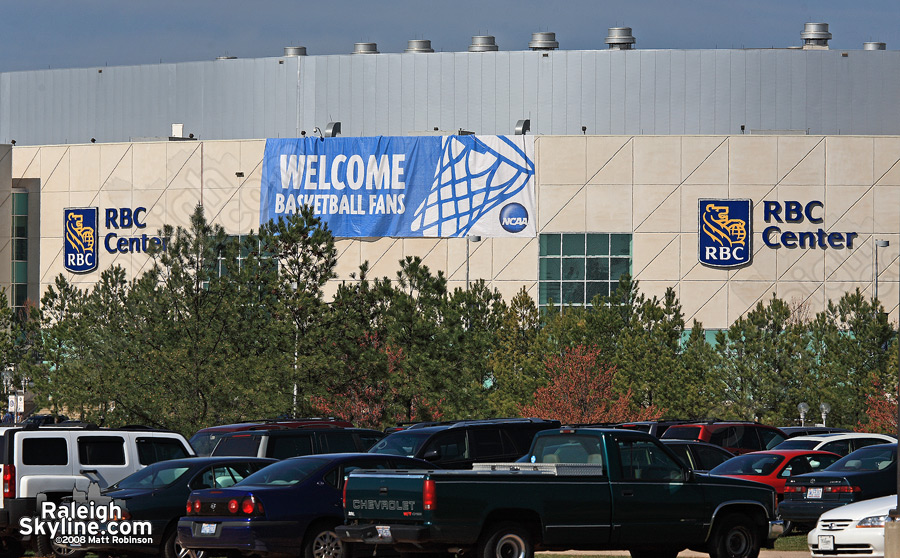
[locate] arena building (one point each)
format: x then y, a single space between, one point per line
729 175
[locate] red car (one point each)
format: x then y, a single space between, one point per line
774 467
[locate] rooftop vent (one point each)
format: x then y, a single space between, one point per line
874 46
543 41
365 48
620 38
815 35
419 45
226 57
483 43
295 51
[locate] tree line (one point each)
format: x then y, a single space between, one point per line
220 329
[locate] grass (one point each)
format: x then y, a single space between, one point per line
792 542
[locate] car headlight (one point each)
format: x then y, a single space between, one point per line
873 521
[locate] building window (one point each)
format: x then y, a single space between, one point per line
19 279
576 267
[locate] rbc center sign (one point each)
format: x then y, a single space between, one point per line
82 237
726 239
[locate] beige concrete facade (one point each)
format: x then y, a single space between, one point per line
647 186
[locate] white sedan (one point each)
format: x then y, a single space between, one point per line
853 530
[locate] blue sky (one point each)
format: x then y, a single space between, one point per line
40 34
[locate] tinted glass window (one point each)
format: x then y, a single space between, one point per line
645 461
872 458
369 439
450 446
339 441
522 437
151 450
156 476
749 465
401 443
486 443
282 447
727 438
240 445
568 449
229 475
863 442
45 451
683 433
284 473
709 457
682 452
769 438
101 450
748 438
203 444
840 447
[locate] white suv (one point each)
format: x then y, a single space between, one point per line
840 443
48 462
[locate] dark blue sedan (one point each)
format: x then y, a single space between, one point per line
291 507
866 473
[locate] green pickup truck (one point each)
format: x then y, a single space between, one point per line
578 488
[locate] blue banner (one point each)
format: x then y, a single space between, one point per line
426 186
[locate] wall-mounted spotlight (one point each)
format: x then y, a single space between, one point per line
93 140
332 129
12 142
523 126
318 132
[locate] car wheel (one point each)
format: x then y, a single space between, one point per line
506 540
44 546
197 553
735 537
321 541
171 548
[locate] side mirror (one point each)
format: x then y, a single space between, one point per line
432 455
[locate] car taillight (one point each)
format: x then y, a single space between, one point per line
428 497
344 494
247 506
843 489
794 489
9 481
233 505
196 506
190 507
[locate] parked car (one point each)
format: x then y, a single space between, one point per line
281 444
49 462
205 439
736 437
652 427
839 443
775 467
157 494
699 456
260 515
794 431
44 420
866 473
852 530
457 445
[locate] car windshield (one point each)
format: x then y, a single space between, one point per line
284 473
401 443
797 445
683 433
872 458
157 475
748 464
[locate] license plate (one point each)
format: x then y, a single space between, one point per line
814 493
384 531
826 542
207 528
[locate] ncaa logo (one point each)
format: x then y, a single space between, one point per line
725 232
514 217
80 241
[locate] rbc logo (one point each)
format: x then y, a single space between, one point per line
80 242
725 232
514 218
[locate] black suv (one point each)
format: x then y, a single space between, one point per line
459 444
281 444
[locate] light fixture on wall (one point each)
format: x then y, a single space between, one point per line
878 244
470 238
332 129
523 126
